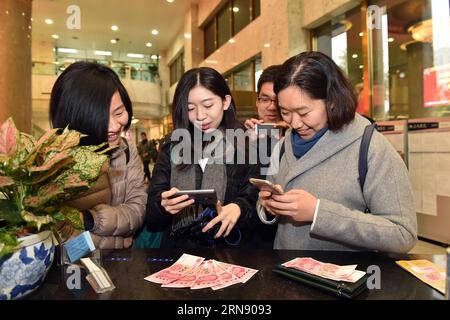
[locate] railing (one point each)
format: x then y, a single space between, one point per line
134 71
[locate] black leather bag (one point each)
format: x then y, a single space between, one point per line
340 288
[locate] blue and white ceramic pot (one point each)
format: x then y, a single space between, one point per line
24 270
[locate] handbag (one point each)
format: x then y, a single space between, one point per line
340 288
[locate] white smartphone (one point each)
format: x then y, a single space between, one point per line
265 128
266 185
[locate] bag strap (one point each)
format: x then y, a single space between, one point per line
127 150
363 155
282 149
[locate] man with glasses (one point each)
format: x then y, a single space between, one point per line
262 236
266 103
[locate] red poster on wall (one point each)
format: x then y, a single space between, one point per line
436 86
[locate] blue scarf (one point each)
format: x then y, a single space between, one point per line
301 146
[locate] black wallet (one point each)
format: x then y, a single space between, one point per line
340 288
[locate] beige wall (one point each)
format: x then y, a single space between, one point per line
318 12
205 8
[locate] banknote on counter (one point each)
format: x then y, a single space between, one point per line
326 270
197 273
426 271
183 266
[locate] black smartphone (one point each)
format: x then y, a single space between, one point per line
201 196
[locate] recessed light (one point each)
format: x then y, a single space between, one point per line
148 44
48 21
170 1
391 39
154 56
235 9
114 28
361 34
267 45
155 32
102 53
187 35
231 40
135 55
55 36
113 41
67 50
361 66
354 56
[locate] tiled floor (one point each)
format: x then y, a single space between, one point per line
425 247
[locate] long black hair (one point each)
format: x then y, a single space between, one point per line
81 97
213 81
316 74
210 79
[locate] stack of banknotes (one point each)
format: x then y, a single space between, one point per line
197 273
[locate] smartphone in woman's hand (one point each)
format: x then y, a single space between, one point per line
265 185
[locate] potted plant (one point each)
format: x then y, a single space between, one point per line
37 179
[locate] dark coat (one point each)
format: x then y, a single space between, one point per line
238 191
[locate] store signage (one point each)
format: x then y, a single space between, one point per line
422 125
436 86
385 128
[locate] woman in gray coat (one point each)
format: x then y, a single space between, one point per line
323 206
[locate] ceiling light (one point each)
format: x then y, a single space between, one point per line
235 9
422 31
232 41
113 41
354 56
361 66
148 44
102 53
170 1
155 32
154 56
267 45
135 55
391 39
55 36
114 28
67 50
48 21
187 35
361 34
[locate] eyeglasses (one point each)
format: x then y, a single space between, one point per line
266 102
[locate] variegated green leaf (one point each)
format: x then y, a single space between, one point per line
8 137
45 194
64 141
47 136
87 163
39 221
26 142
9 211
51 162
5 181
73 215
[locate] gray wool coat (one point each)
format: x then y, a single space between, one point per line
329 171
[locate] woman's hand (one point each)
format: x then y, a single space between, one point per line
175 205
298 204
228 215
